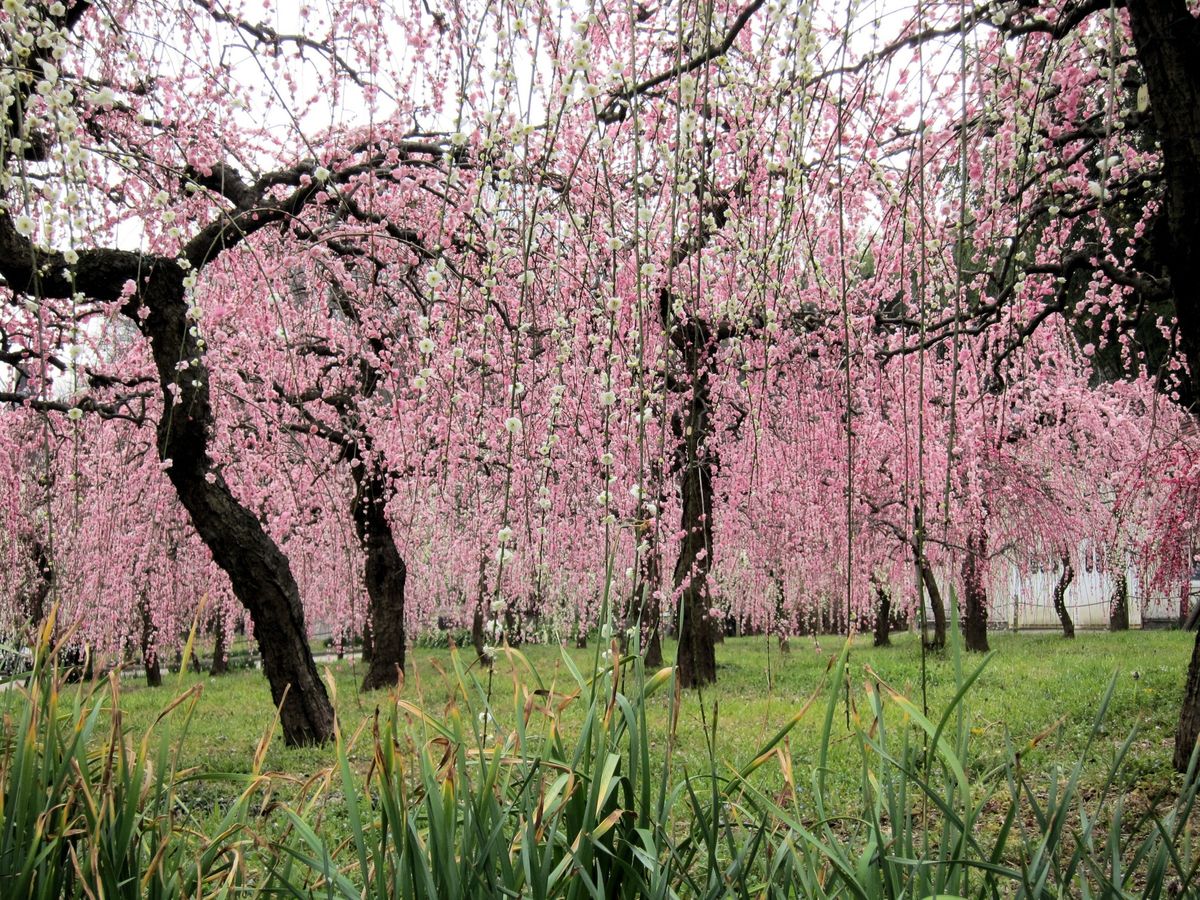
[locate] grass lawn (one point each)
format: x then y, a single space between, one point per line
1036 684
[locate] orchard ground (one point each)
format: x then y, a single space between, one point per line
1036 688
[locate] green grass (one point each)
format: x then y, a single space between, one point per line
1044 771
1036 684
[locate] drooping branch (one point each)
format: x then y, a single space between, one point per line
122 408
614 110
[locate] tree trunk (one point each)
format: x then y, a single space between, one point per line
1060 597
1118 617
42 588
258 571
927 583
1189 716
368 645
581 633
478 639
477 631
883 615
781 617
935 603
514 626
697 658
220 660
645 606
149 652
384 572
975 609
1167 36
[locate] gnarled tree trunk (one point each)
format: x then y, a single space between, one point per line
220 660
883 614
1060 597
975 608
1167 37
645 605
40 590
927 583
697 658
385 573
1118 616
258 571
935 603
149 653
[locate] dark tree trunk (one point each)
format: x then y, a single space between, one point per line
927 583
1060 597
477 636
1167 38
41 588
368 645
883 615
781 617
149 653
384 572
1189 717
258 572
697 658
935 603
645 605
1118 617
975 609
477 631
220 660
581 634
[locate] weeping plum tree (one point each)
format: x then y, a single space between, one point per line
202 208
1146 89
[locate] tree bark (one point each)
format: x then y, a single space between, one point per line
158 307
477 636
220 659
975 608
781 618
883 614
1118 617
926 580
384 572
1167 38
368 648
258 572
1188 729
41 588
696 659
936 604
645 606
149 652
1060 597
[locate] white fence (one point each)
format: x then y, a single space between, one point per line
1020 598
